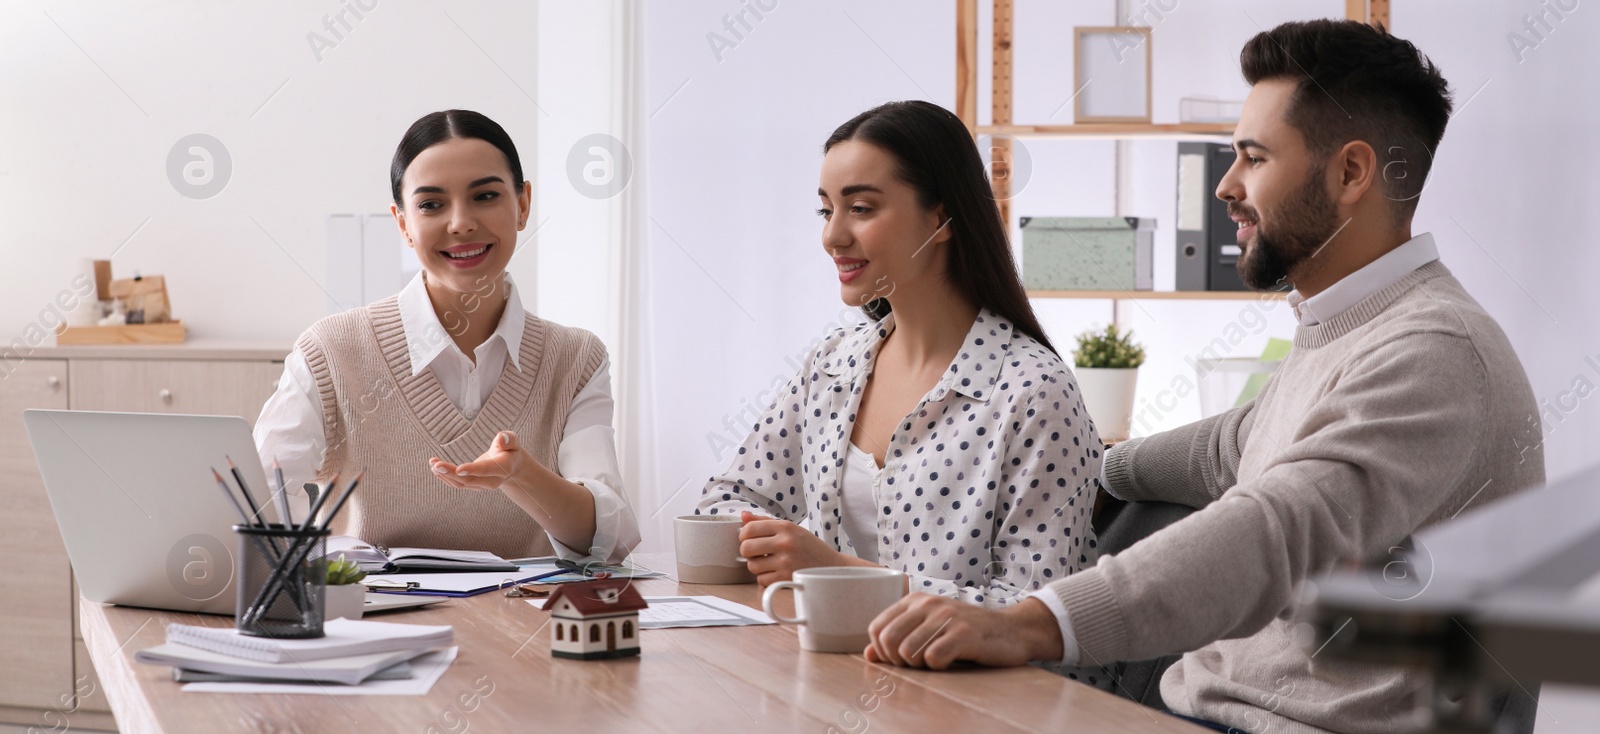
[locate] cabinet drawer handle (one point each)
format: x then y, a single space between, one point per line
54 382
166 395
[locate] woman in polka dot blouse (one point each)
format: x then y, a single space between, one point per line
944 438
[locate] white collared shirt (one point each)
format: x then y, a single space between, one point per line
290 427
1355 287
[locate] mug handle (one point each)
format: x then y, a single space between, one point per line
766 601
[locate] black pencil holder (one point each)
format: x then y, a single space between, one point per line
281 581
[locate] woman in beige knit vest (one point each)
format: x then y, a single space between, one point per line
479 425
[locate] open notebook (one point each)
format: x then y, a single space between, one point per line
378 559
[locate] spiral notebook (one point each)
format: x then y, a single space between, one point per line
350 671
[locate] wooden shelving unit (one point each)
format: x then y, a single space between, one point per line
1114 131
1161 295
1003 129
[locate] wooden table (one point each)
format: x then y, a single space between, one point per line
692 679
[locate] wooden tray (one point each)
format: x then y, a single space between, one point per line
168 333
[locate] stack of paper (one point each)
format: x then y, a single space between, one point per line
351 670
350 652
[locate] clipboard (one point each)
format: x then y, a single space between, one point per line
544 570
456 585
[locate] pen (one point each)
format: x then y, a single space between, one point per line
382 583
545 575
592 570
312 490
317 498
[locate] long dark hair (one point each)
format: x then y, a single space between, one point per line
935 155
437 127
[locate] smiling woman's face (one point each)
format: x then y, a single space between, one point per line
879 236
462 213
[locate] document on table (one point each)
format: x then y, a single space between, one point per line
692 611
425 671
466 584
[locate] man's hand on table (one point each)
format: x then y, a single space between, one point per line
923 631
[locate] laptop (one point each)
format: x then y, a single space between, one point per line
143 520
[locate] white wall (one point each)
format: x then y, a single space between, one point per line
97 98
741 282
735 284
1512 197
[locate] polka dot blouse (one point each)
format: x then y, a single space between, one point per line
988 482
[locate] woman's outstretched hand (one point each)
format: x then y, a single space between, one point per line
490 470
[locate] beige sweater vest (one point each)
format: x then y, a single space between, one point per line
380 418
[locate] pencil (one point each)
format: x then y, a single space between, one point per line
229 494
280 495
270 550
255 511
299 553
339 503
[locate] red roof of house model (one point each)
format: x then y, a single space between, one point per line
601 596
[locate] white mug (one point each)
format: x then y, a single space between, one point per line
834 605
708 550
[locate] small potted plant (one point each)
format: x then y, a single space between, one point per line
1107 367
344 596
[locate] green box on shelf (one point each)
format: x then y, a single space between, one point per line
1088 253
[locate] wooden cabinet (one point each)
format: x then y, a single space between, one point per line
47 677
36 608
205 387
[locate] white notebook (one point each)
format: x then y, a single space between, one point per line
342 638
347 670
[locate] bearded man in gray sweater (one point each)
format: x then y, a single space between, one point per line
1401 404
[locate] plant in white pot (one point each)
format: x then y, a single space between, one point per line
345 596
1107 367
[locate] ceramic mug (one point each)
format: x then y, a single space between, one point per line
708 550
835 604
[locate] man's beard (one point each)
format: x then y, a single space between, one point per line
1303 224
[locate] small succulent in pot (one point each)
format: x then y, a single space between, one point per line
342 572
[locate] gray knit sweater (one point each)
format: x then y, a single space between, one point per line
1386 419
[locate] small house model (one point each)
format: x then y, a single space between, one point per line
595 619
